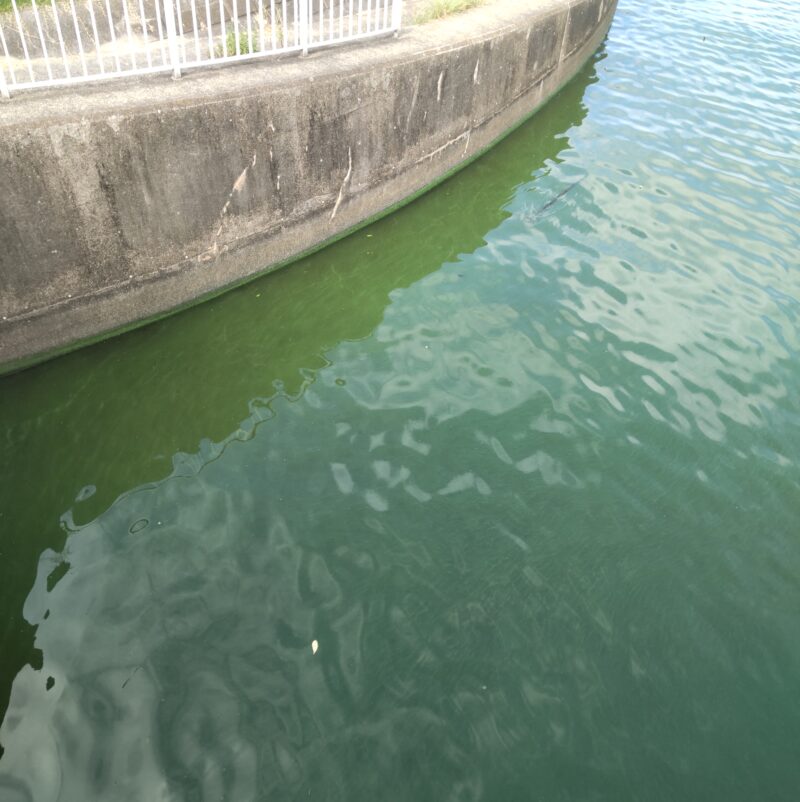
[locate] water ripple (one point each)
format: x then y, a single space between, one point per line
528 530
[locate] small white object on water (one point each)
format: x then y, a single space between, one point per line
314 646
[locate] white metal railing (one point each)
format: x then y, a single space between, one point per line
56 42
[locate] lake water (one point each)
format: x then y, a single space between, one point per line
497 499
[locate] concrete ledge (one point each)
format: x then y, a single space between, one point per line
124 201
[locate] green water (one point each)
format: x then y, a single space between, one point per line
521 459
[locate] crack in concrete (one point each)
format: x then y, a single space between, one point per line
443 147
345 182
238 186
413 102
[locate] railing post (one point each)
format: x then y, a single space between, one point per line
3 85
304 23
172 38
397 15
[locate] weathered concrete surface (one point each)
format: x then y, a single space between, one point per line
123 201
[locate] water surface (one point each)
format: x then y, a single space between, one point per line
521 459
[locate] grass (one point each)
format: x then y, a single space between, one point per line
5 5
438 9
247 44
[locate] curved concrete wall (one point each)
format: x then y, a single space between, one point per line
122 202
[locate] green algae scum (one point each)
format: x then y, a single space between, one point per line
496 499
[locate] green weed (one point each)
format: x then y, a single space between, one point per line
5 5
438 9
247 44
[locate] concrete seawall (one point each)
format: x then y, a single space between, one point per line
121 202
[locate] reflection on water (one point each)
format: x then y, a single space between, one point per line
521 460
98 422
